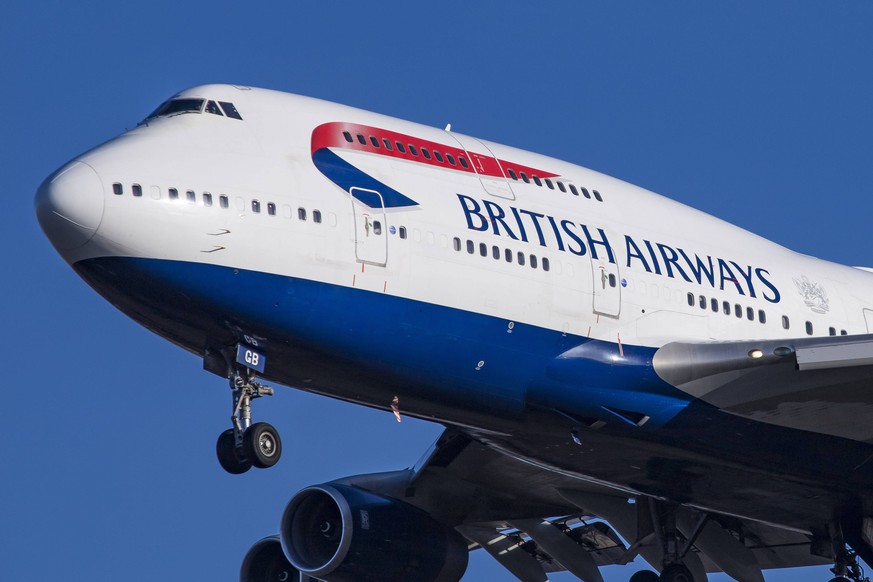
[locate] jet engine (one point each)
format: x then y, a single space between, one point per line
340 533
265 562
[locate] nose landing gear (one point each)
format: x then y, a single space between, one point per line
246 444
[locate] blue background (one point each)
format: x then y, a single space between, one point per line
757 112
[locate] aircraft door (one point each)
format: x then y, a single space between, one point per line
607 287
868 318
486 166
371 228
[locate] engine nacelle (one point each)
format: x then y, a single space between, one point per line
339 533
266 562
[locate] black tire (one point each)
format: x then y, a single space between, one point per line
261 444
676 573
645 576
229 457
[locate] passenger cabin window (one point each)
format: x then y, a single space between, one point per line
348 136
561 186
537 181
808 328
222 201
597 195
412 150
402 233
173 194
520 258
456 241
425 153
118 189
471 248
483 249
726 307
387 144
463 161
137 190
271 208
377 227
785 323
400 147
762 316
362 140
256 206
191 196
573 190
585 193
549 183
512 174
546 265
301 214
508 255
316 216
533 261
713 304
832 331
691 299
374 141
207 199
451 159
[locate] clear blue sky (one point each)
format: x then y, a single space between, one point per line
757 112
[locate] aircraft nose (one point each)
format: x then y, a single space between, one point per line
69 205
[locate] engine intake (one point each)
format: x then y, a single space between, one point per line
265 562
339 533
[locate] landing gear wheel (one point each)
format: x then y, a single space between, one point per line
262 445
676 573
229 456
645 576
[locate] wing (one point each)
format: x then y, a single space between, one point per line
814 384
535 521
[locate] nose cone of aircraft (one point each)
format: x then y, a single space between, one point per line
69 205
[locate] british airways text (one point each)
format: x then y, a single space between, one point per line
580 239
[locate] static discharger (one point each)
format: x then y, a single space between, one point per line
395 408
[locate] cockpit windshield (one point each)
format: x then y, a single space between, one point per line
177 106
187 105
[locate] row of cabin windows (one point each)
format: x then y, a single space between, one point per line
551 184
412 149
737 309
438 156
506 254
223 201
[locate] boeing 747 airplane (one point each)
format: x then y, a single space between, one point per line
618 375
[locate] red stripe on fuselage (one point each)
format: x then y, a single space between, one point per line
330 135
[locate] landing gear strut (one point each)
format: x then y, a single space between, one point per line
246 444
846 567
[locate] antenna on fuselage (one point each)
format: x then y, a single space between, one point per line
448 127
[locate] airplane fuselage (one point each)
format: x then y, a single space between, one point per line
515 296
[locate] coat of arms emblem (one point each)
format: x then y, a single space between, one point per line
814 295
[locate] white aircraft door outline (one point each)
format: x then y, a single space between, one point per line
493 185
606 284
371 229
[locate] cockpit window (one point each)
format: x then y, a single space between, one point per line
178 106
230 110
186 105
212 107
